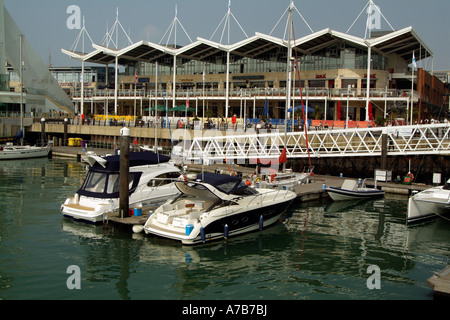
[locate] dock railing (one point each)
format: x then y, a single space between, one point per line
241 146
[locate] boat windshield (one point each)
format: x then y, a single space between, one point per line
106 184
243 190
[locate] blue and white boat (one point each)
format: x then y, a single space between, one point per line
151 182
350 190
215 206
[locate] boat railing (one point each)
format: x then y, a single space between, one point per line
363 183
263 197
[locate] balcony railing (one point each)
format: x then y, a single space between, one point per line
244 93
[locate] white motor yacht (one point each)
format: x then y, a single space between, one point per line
214 206
429 203
151 182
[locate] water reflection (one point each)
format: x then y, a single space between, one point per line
320 251
312 254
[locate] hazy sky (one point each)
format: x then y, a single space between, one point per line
44 22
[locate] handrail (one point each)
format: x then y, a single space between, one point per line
248 93
401 140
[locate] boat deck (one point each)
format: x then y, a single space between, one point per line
79 207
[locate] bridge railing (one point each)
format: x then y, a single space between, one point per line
401 140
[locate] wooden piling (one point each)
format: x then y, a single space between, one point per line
43 132
124 175
384 149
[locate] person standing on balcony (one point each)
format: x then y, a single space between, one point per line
233 121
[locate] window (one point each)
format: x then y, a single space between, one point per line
163 179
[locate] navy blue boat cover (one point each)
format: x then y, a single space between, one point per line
136 159
225 183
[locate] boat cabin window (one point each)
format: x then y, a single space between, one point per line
95 182
227 187
163 179
244 190
101 184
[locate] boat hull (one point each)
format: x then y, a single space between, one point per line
338 194
24 153
422 208
237 223
96 212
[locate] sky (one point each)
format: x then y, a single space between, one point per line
47 24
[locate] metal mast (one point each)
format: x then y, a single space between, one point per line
226 21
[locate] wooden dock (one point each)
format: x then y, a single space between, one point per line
440 282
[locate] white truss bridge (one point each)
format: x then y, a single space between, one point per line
431 139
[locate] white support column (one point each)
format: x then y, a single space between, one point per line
227 86
369 61
174 82
82 87
116 82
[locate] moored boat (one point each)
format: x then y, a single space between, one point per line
350 190
214 206
15 152
284 180
429 203
151 182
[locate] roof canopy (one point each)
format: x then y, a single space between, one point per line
402 42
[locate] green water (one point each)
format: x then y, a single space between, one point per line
319 252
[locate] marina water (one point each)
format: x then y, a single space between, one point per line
322 250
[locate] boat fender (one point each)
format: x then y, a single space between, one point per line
202 234
225 231
189 229
261 222
138 228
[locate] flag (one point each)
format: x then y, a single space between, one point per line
135 141
338 112
282 158
414 60
187 102
135 77
373 17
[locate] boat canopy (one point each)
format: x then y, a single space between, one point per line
112 163
102 180
225 183
220 186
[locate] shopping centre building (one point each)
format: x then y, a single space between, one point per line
337 76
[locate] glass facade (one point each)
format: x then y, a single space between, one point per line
337 56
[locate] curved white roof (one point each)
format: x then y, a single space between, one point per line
402 42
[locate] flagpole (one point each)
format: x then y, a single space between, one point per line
135 76
412 86
412 93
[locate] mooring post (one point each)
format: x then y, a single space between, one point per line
124 175
384 149
42 132
65 132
